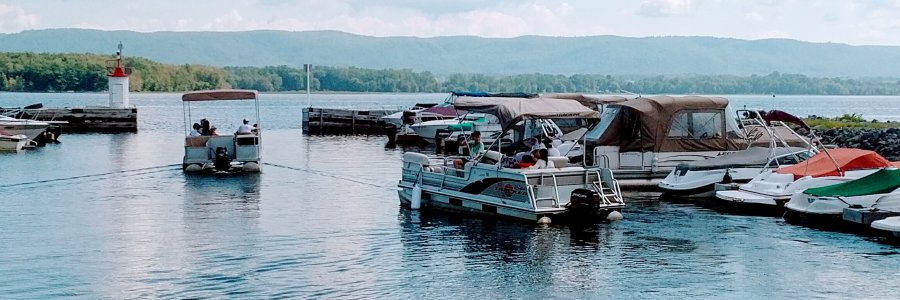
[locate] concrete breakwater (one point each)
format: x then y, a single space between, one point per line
885 141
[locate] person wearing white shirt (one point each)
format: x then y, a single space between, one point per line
550 150
542 161
196 130
245 128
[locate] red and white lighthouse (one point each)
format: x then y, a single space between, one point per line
118 82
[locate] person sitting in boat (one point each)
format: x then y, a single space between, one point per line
244 128
212 131
548 143
475 147
542 161
255 128
527 162
204 127
196 130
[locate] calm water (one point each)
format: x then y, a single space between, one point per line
325 223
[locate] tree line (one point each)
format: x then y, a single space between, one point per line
33 72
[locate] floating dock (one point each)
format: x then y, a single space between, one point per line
347 121
84 119
865 216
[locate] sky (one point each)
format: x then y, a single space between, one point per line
856 22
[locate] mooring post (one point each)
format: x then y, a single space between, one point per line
353 121
321 121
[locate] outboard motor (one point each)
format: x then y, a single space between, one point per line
584 202
221 162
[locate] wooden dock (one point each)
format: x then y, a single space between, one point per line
346 121
84 119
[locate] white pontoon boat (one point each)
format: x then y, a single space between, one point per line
222 153
485 186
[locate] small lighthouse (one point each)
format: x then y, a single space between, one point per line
118 82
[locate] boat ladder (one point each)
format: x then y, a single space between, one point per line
608 188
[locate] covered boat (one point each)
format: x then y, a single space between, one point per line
770 190
773 147
644 139
828 202
226 153
486 186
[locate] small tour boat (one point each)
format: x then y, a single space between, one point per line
827 203
223 153
13 142
486 186
699 179
770 190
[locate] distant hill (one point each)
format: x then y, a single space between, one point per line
466 54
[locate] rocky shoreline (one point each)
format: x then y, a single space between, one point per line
885 141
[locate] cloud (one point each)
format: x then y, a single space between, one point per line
753 16
662 8
15 19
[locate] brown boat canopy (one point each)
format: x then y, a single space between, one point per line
588 101
216 95
512 110
669 124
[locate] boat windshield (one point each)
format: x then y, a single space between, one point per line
606 119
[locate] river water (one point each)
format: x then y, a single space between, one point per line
113 216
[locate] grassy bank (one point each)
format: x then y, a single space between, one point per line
849 121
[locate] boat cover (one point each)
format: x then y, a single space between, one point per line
881 182
672 124
486 94
512 110
447 111
752 157
588 101
848 159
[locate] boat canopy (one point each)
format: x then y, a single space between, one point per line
669 124
751 157
486 94
216 95
512 110
848 159
881 182
777 115
589 101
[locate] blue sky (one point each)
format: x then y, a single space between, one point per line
858 22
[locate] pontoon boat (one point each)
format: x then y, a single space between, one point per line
486 186
222 153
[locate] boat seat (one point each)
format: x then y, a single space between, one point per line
417 158
491 157
559 161
196 141
435 169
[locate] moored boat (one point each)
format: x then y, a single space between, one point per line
827 203
486 187
770 190
13 142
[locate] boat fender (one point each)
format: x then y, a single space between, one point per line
544 220
614 216
416 202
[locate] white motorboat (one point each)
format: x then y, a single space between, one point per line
221 153
418 115
772 189
29 128
827 203
488 125
486 187
698 179
644 139
13 142
890 224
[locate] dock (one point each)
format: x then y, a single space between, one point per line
346 121
83 119
865 216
